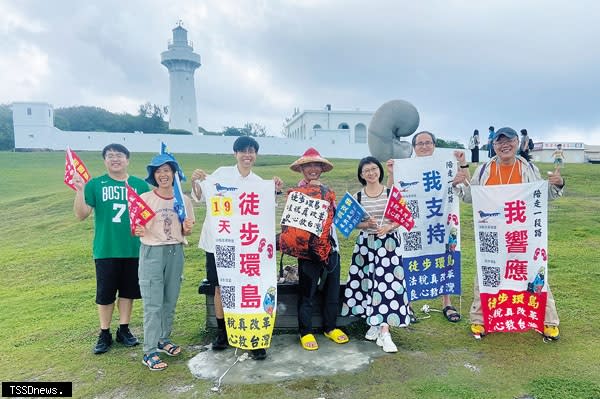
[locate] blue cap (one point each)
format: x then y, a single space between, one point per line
505 131
157 162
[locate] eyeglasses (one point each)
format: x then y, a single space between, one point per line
423 143
370 170
114 155
504 141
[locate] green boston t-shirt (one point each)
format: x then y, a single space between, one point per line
108 197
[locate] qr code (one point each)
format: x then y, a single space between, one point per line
412 241
225 256
228 296
491 276
488 242
413 207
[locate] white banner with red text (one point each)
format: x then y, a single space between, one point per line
511 243
242 217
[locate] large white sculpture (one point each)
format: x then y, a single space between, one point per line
391 121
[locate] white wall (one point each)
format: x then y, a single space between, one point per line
573 152
95 141
35 130
301 125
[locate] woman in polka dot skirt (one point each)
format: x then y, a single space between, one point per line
376 289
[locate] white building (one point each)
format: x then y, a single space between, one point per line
31 122
181 61
34 130
335 126
574 152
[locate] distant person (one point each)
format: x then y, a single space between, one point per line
491 151
161 260
508 168
316 275
559 156
116 251
376 265
524 146
245 151
474 146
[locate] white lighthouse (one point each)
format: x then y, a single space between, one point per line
181 61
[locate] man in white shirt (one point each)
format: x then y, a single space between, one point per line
245 151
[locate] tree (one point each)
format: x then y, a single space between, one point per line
441 143
7 135
249 129
256 129
152 118
232 131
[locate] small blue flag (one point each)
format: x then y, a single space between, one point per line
348 214
178 201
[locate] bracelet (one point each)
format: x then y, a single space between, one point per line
464 166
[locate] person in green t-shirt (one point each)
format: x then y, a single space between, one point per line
115 250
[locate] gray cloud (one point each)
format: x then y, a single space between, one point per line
464 65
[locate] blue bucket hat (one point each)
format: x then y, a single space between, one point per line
505 131
156 163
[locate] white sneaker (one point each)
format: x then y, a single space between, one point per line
385 341
372 334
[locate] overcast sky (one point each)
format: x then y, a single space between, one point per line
463 64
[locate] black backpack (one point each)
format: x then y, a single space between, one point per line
530 144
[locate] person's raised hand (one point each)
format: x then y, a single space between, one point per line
139 230
198 174
187 226
555 178
460 157
278 184
389 166
78 182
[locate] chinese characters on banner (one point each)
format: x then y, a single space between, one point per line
243 221
431 259
511 236
304 212
74 164
396 210
348 214
139 212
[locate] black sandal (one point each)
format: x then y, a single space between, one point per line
411 314
153 361
169 348
452 317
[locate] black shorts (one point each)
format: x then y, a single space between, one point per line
211 269
116 275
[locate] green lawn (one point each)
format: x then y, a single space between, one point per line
49 321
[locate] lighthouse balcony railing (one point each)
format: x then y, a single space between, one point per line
188 42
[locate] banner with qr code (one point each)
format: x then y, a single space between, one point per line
243 222
432 257
511 243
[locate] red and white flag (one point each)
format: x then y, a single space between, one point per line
140 213
397 210
74 164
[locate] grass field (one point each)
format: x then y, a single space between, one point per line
49 322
